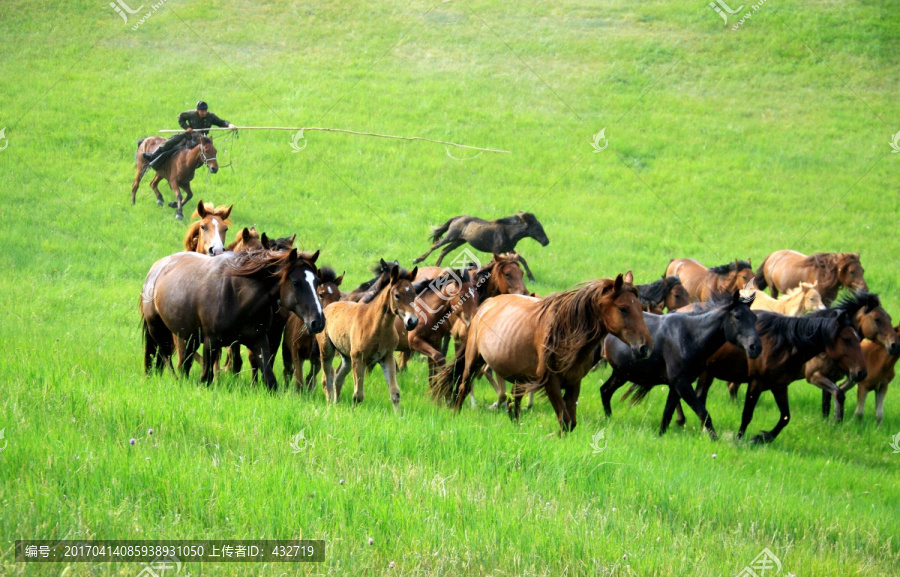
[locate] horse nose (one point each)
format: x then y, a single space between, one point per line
412 323
861 375
214 169
643 352
215 250
317 325
894 348
753 350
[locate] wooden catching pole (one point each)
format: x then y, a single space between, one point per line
317 128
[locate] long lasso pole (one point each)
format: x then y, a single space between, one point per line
317 128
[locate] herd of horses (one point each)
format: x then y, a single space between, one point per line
693 325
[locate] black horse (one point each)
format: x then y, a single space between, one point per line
497 236
665 294
681 345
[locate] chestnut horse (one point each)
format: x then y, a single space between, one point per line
665 294
178 170
207 234
785 269
496 236
788 343
363 334
702 283
247 239
880 366
547 344
298 344
222 300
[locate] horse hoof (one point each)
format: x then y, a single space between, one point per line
173 205
179 216
158 202
762 438
493 407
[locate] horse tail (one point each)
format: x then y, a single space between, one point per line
637 391
761 283
438 231
445 384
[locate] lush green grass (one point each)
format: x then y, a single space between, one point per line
722 145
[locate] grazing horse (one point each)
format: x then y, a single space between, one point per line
496 236
178 170
547 344
438 301
681 345
363 334
872 322
702 283
794 303
206 235
786 269
223 300
788 343
665 294
299 345
880 366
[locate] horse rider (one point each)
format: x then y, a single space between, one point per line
200 120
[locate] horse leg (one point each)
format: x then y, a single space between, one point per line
514 409
186 350
861 393
879 402
264 363
445 345
733 389
206 373
680 419
434 247
554 395
530 400
686 391
154 184
473 364
452 245
179 203
780 392
573 389
829 391
608 389
326 353
315 364
358 365
750 400
190 193
390 376
141 169
499 386
672 401
527 270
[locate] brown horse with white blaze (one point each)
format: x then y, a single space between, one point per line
546 343
206 235
785 269
702 282
178 170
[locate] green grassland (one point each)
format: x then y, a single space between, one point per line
723 144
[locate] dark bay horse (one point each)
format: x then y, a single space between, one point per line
872 322
299 344
221 300
785 269
206 235
178 170
547 344
788 343
703 283
880 368
681 344
496 236
665 294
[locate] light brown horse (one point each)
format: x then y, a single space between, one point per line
221 300
298 344
786 269
880 367
794 303
363 334
178 170
206 235
702 283
247 239
547 344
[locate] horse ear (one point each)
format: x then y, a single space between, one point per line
395 273
339 280
497 257
245 234
293 238
383 265
293 256
264 240
629 278
412 274
227 211
617 286
314 257
750 262
201 209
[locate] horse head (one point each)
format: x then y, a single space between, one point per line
329 282
850 272
812 300
620 310
533 228
208 154
843 348
207 235
402 296
298 289
507 275
676 296
740 324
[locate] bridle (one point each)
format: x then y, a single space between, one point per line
206 160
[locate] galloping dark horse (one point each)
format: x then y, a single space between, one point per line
496 236
222 300
788 343
178 170
681 345
665 294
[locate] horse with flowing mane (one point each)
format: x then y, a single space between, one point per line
178 170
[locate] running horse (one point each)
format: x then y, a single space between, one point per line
547 344
794 303
178 170
786 269
221 300
703 283
880 367
496 236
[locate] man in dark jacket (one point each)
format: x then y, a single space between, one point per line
200 120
